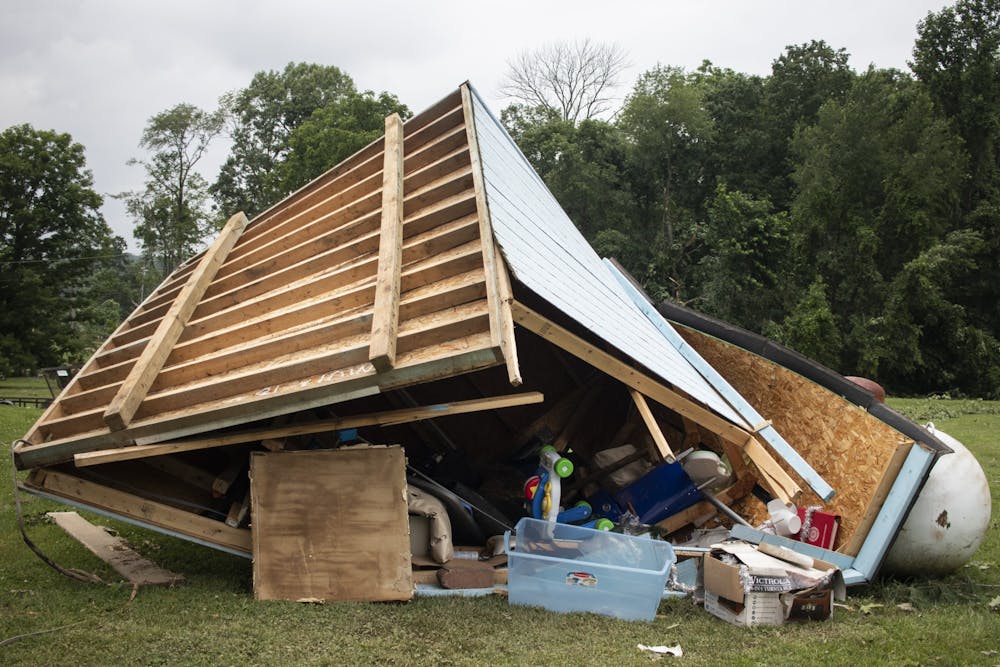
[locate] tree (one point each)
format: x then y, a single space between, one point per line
802 79
583 165
52 237
957 56
263 116
665 120
333 133
575 80
171 213
931 342
878 177
748 245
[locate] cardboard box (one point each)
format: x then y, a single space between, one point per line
770 591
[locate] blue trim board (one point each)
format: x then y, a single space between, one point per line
719 383
894 510
862 568
843 561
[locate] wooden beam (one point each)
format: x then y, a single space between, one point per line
483 211
654 428
385 323
874 506
141 510
508 344
114 551
624 373
126 402
385 418
772 475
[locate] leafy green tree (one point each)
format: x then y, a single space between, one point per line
748 246
738 146
878 176
930 343
802 79
665 120
333 133
811 328
957 56
263 116
52 237
584 165
171 213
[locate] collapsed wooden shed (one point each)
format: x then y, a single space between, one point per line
429 292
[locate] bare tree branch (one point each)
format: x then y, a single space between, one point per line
575 80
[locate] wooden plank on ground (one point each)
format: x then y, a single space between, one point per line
330 525
654 429
115 551
385 418
385 322
125 403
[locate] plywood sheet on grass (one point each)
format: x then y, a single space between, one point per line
330 525
849 448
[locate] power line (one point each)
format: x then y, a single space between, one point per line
59 259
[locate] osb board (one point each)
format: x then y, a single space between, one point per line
330 525
848 447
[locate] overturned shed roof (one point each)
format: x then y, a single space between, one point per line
381 273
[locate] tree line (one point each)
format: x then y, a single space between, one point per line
854 216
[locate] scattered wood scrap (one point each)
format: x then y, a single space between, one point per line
115 551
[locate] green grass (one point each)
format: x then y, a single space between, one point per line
24 388
213 619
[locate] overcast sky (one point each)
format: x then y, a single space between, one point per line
98 69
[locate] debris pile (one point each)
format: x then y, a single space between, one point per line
367 386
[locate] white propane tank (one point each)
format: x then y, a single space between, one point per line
949 518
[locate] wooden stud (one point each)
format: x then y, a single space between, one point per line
385 418
773 476
142 510
238 511
623 372
125 403
878 498
225 479
485 225
654 429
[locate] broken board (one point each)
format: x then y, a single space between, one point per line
115 551
330 525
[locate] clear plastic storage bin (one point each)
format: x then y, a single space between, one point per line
566 568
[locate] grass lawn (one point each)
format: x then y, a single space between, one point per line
213 619
24 387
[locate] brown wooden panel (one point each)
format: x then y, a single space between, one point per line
847 447
330 525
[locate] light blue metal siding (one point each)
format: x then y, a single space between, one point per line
547 253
